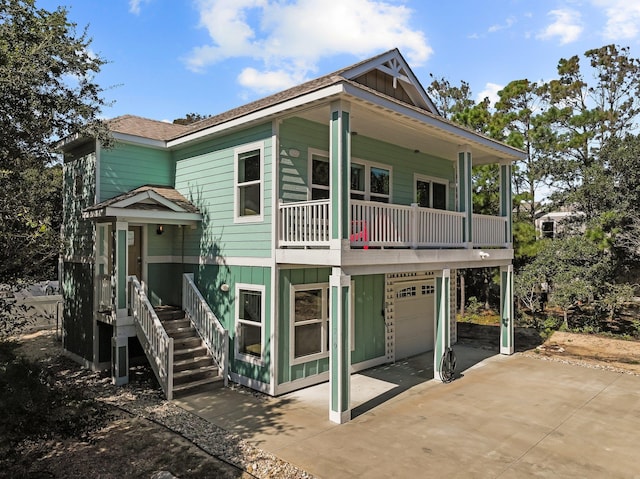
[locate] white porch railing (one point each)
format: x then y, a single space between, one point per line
304 223
104 292
381 224
387 225
213 334
489 230
154 339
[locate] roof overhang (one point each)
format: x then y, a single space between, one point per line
133 215
145 205
415 125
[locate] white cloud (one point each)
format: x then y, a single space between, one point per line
267 81
567 26
623 18
507 24
134 5
287 38
491 91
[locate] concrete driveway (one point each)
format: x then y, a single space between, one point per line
505 417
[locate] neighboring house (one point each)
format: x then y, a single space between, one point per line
554 223
307 235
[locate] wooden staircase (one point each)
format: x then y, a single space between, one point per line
193 367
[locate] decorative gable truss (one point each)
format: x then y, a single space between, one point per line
390 74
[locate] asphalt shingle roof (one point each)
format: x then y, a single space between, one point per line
166 192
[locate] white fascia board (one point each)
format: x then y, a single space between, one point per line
139 140
267 112
368 66
165 217
463 135
148 194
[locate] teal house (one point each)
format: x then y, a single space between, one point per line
291 241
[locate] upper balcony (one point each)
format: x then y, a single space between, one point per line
308 224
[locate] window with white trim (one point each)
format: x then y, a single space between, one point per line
310 325
248 172
368 181
431 193
310 321
319 176
249 322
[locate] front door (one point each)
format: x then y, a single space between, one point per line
414 315
134 240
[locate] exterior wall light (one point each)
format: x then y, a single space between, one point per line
160 229
224 287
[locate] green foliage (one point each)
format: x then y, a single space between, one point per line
616 295
31 202
190 118
35 405
47 92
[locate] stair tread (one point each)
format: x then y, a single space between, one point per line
194 359
194 371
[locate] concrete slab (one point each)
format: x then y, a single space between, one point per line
503 417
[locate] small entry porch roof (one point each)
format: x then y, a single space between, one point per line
146 204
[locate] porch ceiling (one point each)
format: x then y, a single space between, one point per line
392 126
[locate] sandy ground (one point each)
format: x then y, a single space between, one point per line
594 350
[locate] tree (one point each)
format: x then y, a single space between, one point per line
584 117
47 92
190 118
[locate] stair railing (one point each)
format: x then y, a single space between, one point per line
209 327
155 341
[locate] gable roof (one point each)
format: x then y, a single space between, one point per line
144 127
384 81
384 69
162 204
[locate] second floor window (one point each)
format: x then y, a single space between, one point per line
249 177
367 181
431 193
319 177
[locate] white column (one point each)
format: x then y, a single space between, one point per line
506 310
340 350
442 313
120 261
119 358
339 170
506 201
465 199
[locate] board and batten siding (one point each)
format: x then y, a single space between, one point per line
205 176
126 167
79 190
298 136
368 297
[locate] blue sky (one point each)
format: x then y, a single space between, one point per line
169 58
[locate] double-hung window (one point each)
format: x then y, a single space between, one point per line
310 310
249 322
431 193
310 325
249 183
